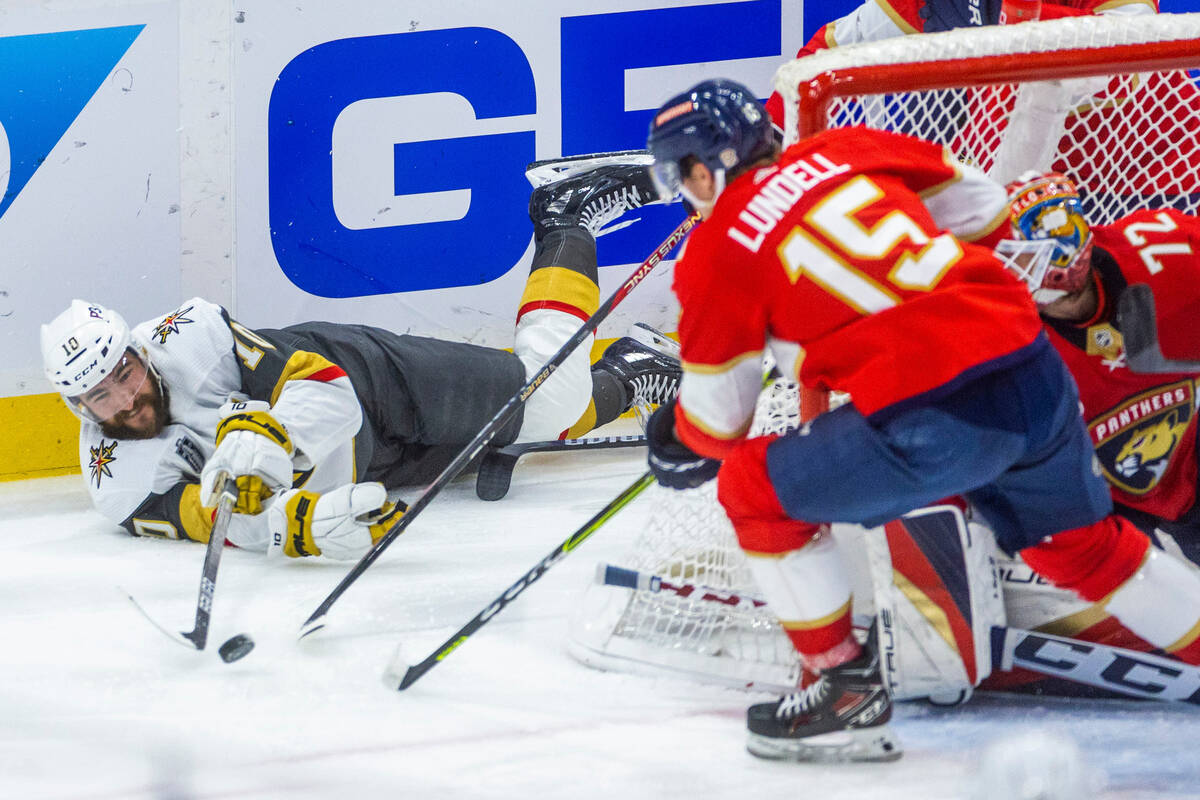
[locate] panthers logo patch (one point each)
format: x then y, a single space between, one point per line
101 457
170 324
1135 442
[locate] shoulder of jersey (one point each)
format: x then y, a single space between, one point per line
192 320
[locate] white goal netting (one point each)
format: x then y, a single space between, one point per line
1110 101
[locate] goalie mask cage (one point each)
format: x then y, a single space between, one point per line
1110 101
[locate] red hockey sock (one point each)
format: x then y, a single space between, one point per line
745 490
1091 561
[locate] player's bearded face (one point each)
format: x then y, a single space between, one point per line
130 404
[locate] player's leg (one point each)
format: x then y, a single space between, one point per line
1054 509
844 467
800 571
562 292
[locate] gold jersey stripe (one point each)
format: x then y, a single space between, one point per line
562 285
812 624
301 365
1185 640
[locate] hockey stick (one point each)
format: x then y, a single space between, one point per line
496 468
610 575
489 431
402 675
1138 321
197 637
1117 669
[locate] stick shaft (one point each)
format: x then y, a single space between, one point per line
413 673
212 560
489 431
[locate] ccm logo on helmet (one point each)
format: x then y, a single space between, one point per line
85 370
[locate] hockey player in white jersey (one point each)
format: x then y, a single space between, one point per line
316 421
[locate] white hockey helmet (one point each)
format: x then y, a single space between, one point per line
82 348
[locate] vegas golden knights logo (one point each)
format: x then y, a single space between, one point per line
101 457
1135 442
170 324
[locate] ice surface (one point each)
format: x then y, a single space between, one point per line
95 703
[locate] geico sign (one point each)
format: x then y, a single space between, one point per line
396 162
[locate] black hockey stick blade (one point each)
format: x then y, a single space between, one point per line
496 468
315 620
495 474
1127 672
408 675
198 635
1138 320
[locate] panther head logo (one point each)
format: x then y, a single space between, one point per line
1150 447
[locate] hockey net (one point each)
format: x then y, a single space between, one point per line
1112 102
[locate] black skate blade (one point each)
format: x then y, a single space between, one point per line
874 744
550 170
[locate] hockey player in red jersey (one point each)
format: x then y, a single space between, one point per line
850 257
325 416
1142 426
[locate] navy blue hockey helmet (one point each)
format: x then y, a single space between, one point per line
719 122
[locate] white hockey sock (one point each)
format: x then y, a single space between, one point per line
1161 602
561 400
809 589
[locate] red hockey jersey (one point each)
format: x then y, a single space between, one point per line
846 258
1143 426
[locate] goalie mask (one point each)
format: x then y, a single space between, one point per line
720 123
88 353
1052 246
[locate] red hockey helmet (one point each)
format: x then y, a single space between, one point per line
1051 248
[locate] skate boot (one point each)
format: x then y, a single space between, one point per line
592 199
646 363
841 717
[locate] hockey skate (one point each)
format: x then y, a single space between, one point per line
647 364
841 717
593 199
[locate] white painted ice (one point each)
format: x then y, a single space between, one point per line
95 703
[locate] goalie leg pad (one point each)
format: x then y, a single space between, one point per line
938 598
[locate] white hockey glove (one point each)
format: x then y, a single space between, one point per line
254 450
341 524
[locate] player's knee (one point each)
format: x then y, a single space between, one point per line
1091 561
745 490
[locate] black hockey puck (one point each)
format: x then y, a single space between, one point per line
235 647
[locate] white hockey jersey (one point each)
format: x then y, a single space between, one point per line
150 487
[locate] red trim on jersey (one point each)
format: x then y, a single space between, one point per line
330 373
553 305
